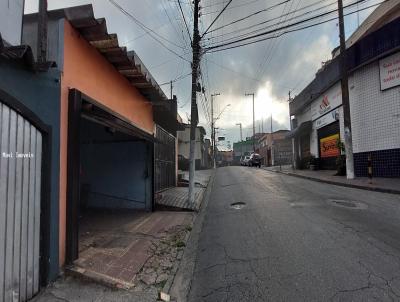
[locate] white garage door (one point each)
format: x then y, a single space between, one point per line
20 183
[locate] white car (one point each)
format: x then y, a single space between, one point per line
244 161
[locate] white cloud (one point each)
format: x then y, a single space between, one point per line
317 52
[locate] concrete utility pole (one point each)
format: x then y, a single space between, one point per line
212 128
241 133
254 125
345 96
241 138
194 112
171 89
272 143
42 34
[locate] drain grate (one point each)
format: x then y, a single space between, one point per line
348 204
238 205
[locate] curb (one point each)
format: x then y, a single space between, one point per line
331 182
164 294
98 278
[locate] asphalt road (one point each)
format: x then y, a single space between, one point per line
296 240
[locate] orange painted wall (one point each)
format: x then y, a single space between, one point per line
88 71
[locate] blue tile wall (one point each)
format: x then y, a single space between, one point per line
385 163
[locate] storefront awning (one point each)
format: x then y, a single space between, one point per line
303 128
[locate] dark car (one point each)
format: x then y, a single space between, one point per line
255 160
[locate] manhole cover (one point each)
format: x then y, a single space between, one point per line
351 204
238 205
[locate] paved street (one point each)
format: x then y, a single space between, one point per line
296 240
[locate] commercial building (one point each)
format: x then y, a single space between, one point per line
373 61
246 147
224 157
276 148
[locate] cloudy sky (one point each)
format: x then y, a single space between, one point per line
270 69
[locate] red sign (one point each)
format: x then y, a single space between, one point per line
328 146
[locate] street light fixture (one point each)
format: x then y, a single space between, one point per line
222 111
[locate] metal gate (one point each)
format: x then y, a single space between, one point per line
20 202
165 160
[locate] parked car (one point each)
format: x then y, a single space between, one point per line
244 160
255 160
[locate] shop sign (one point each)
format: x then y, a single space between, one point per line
327 119
389 69
330 100
328 146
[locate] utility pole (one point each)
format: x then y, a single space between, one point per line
241 138
272 142
171 89
42 34
241 133
212 128
254 125
345 96
194 112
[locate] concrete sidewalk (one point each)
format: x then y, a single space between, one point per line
123 257
177 198
130 256
385 185
201 177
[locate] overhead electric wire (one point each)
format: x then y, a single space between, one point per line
213 49
184 20
145 28
277 18
251 15
188 45
216 18
282 27
283 15
223 3
268 54
229 8
181 77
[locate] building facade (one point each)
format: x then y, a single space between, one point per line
244 148
99 132
317 112
276 148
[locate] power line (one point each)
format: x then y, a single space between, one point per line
181 77
173 25
184 20
286 32
232 7
281 28
216 18
278 18
251 15
148 30
268 55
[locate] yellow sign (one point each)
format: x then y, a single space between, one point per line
328 146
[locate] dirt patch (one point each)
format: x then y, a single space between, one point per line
164 253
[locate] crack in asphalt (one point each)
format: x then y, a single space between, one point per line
257 284
385 285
